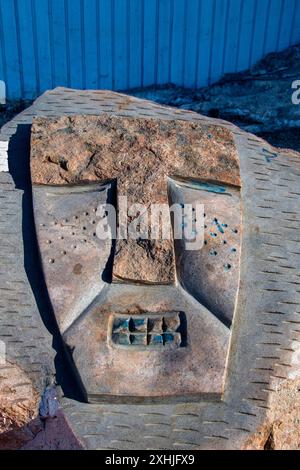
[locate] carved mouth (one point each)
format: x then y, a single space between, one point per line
164 330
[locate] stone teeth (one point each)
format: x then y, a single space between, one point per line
150 330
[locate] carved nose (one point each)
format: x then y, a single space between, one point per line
146 262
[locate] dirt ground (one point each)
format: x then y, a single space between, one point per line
258 100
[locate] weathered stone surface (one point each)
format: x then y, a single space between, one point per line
140 154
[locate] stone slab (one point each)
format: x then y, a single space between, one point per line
264 344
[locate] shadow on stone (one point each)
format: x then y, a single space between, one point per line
112 200
19 167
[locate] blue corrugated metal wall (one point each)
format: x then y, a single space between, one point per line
120 44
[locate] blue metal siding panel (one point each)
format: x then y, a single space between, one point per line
10 45
218 40
75 42
205 40
286 23
260 30
163 40
58 25
273 26
26 39
150 39
136 39
91 43
41 25
106 42
179 44
191 45
3 74
233 32
121 49
295 36
246 34
119 44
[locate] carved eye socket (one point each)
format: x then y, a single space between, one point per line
217 263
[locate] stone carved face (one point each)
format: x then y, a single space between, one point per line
145 319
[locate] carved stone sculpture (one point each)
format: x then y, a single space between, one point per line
113 301
156 345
